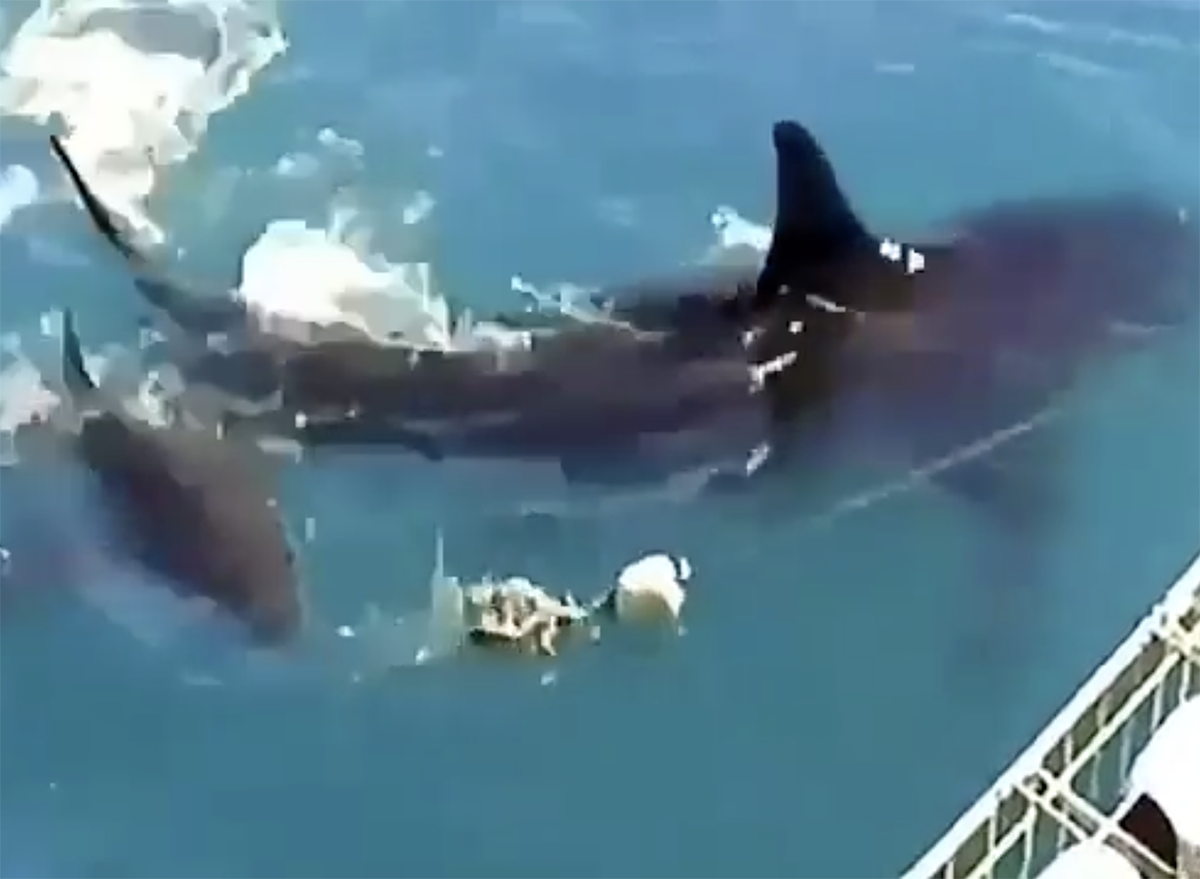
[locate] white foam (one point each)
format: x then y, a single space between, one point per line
737 237
18 189
24 398
308 281
334 154
130 110
312 282
738 241
303 274
565 299
31 393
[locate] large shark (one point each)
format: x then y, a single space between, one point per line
186 508
933 346
602 401
967 339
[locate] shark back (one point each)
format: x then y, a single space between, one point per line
1072 273
585 386
188 506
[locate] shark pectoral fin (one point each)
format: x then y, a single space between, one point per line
356 431
190 306
615 465
1012 477
1015 488
985 434
989 440
421 443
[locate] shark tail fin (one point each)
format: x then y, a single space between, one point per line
814 221
78 380
191 308
102 218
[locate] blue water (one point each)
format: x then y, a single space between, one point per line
822 717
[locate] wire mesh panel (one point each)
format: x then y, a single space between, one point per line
1064 787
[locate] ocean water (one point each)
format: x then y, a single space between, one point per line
825 713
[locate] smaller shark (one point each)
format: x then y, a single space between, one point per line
185 507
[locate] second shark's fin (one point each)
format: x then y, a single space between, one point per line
78 381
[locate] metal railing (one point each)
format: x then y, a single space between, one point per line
1064 786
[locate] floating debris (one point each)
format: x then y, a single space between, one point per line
518 615
514 615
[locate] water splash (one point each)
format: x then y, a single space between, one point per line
134 85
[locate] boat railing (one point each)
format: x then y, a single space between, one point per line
1065 785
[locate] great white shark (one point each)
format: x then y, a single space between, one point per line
605 403
931 345
975 332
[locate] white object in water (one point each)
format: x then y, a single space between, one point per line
515 613
651 590
1090 860
309 284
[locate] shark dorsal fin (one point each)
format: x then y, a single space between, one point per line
814 222
76 377
820 249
